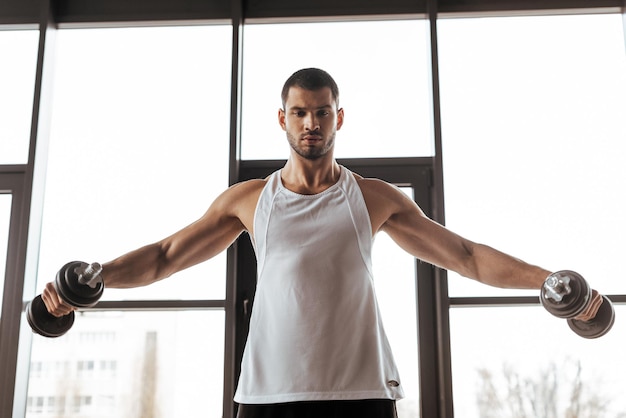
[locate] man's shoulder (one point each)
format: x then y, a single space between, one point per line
252 184
379 194
373 185
239 201
246 189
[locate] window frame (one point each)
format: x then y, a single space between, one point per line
12 182
26 182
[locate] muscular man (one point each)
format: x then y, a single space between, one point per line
316 345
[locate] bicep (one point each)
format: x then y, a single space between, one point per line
429 241
395 213
200 241
426 239
214 232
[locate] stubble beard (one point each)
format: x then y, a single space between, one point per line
311 153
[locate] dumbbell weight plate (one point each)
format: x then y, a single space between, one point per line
75 293
574 302
44 323
599 325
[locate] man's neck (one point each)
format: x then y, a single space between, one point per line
305 176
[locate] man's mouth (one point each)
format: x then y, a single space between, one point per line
312 137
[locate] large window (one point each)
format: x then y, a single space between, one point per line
382 72
18 49
519 361
116 364
138 150
533 149
143 118
532 119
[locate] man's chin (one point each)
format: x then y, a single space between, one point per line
310 153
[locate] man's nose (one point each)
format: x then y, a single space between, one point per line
311 122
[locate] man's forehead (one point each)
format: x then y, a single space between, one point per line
299 97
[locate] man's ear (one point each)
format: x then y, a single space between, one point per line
281 119
339 118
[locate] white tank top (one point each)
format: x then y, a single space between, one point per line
315 330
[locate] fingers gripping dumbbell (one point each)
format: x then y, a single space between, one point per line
566 294
79 285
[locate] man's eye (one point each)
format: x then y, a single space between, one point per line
323 113
299 113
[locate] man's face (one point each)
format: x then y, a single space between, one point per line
311 120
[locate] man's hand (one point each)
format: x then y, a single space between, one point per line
53 302
591 310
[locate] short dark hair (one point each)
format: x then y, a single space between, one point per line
310 79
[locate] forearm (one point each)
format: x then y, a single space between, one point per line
137 268
498 269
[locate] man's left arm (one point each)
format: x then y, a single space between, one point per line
402 219
431 242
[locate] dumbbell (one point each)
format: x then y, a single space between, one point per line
79 285
566 294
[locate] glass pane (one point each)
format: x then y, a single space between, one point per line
138 148
507 361
18 49
394 273
533 136
5 219
381 69
122 364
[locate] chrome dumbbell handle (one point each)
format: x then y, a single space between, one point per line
556 286
89 274
565 294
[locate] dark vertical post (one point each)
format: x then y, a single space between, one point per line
13 284
440 285
230 335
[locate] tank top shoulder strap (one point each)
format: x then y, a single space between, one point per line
359 213
262 212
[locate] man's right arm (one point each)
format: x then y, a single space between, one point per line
229 215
